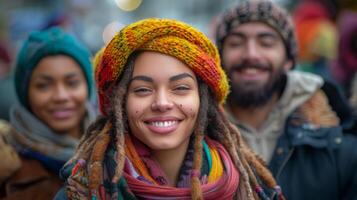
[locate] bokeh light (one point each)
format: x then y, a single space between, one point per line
110 30
128 5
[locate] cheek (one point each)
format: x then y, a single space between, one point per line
133 108
136 113
190 110
231 56
81 95
37 99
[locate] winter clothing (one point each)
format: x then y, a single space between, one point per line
42 153
299 88
315 31
166 36
32 136
218 176
259 11
111 163
23 177
311 158
31 181
10 160
53 41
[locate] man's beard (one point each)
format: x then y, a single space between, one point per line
259 96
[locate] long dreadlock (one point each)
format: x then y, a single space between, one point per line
211 120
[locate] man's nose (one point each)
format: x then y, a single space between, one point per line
252 51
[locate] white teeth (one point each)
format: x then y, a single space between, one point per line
250 71
163 124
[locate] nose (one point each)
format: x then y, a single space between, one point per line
162 101
61 93
252 51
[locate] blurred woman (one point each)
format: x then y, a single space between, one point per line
163 134
53 81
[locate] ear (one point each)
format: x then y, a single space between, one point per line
288 65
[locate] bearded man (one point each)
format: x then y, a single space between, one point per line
285 116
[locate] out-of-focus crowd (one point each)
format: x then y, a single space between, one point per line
268 110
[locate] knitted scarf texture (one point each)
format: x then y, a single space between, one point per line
143 179
32 138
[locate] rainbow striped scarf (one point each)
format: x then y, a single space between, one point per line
145 180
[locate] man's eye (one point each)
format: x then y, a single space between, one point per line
267 42
233 44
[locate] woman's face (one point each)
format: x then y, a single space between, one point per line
163 102
57 93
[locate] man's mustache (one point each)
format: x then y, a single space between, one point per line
248 64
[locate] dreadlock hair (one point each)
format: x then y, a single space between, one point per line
211 120
94 143
245 160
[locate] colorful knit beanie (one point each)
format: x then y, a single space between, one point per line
259 11
316 34
38 45
166 36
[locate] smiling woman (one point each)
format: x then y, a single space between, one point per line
58 93
53 81
163 133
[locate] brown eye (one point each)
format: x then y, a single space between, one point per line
42 86
142 91
73 83
181 89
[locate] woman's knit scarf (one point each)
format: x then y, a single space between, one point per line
143 178
32 138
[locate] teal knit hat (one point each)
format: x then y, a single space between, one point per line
40 44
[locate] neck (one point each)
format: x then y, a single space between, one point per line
170 161
255 116
75 132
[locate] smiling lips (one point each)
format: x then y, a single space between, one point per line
162 125
251 74
63 113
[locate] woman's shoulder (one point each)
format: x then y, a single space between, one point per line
23 178
31 181
10 159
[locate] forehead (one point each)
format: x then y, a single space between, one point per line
156 64
56 65
254 28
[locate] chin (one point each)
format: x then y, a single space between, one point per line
62 128
162 146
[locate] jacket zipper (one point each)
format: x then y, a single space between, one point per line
284 163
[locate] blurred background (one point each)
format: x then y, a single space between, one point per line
94 21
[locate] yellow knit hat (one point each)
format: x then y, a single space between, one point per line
167 36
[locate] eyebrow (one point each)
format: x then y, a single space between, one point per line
181 76
272 35
171 79
142 78
260 35
49 77
73 75
43 77
238 34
